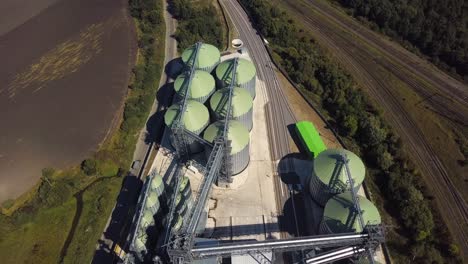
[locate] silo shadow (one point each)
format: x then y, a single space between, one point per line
294 206
164 95
174 68
294 169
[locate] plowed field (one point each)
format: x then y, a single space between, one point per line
63 76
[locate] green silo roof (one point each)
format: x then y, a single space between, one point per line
328 168
178 199
208 55
147 217
237 133
184 183
195 117
202 84
140 243
156 182
241 101
245 71
340 215
152 199
179 222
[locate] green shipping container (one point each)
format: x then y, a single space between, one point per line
310 138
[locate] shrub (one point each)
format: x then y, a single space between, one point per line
89 166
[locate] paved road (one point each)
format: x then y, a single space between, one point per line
120 218
143 148
279 114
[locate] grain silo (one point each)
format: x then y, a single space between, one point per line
181 204
241 108
178 223
329 175
184 188
157 184
200 89
206 58
340 215
152 202
245 77
139 245
238 135
146 220
195 120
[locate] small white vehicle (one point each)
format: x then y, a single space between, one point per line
136 164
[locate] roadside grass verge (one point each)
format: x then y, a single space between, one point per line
35 228
97 203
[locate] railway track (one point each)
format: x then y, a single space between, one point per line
356 60
278 112
407 60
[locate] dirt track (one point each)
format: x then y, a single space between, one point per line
64 74
377 65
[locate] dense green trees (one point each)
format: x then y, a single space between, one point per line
356 119
89 166
197 22
438 28
145 74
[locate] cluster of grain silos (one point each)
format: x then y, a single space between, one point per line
144 219
201 88
202 56
183 202
330 187
241 108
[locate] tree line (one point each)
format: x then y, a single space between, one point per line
437 28
146 74
356 119
197 22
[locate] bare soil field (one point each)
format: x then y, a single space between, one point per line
64 73
425 106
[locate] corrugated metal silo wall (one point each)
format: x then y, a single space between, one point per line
154 209
240 160
209 68
187 190
324 229
178 97
194 146
250 86
159 190
246 119
321 192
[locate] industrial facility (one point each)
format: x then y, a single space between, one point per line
201 87
242 105
243 70
329 176
208 143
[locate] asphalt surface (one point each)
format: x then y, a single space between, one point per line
443 95
279 114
